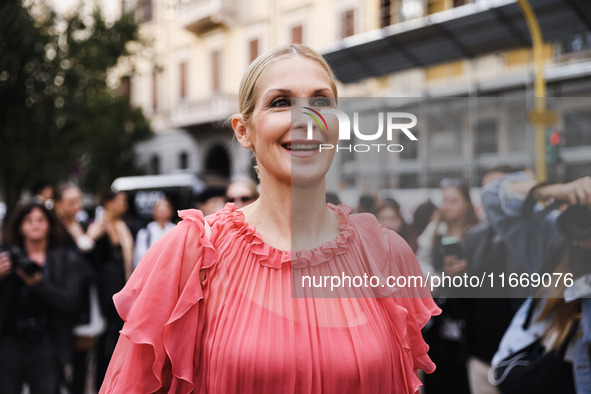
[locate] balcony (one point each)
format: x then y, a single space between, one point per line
200 16
217 108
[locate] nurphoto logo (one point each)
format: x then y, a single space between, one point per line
390 122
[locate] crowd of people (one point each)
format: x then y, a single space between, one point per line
58 275
475 338
207 302
59 269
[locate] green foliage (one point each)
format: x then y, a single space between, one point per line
59 119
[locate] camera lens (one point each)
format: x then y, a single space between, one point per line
575 223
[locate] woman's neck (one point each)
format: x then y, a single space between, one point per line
109 216
290 217
456 228
65 219
36 246
161 222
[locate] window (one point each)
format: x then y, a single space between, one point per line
183 80
148 10
155 165
443 121
126 6
576 43
411 148
154 90
408 181
347 23
385 19
577 123
486 137
125 88
410 9
434 6
183 161
253 50
516 133
215 70
297 33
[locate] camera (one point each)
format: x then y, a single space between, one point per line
19 259
575 223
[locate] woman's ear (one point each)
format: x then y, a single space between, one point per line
239 127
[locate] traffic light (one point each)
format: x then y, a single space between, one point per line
553 138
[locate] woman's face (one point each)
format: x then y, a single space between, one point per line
118 205
35 226
70 203
282 148
240 194
389 218
454 205
162 211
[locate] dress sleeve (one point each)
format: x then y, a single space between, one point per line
415 299
409 307
159 345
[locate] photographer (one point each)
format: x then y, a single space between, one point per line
39 292
548 227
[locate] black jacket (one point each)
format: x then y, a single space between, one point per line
59 290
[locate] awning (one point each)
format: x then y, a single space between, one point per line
463 32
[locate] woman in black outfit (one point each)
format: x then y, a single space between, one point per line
39 295
113 262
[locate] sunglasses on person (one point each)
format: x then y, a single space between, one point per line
452 182
241 199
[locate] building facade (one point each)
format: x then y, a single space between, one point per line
201 48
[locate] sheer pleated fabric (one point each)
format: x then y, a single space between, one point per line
241 331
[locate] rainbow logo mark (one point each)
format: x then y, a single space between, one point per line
316 118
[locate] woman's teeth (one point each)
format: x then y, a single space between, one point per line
301 147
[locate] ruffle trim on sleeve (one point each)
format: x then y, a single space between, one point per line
160 307
407 330
409 308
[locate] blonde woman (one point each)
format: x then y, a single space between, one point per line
210 308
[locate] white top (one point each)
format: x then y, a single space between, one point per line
146 237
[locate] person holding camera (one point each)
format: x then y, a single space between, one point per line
548 227
80 238
440 253
39 293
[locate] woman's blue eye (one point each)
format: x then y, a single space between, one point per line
322 102
281 102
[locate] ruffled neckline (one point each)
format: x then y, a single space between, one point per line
275 258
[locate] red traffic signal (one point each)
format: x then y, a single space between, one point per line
555 138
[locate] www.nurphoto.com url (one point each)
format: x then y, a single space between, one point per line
438 281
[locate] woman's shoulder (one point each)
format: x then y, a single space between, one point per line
193 215
367 225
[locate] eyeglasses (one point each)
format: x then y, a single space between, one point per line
240 199
451 182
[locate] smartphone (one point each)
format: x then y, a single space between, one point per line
451 246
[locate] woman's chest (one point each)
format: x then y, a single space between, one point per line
259 337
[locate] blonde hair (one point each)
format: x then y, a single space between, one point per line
562 315
249 93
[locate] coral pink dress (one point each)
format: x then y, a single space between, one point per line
241 331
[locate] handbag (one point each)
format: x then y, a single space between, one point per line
533 369
86 333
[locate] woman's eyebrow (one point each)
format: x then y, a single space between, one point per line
289 92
